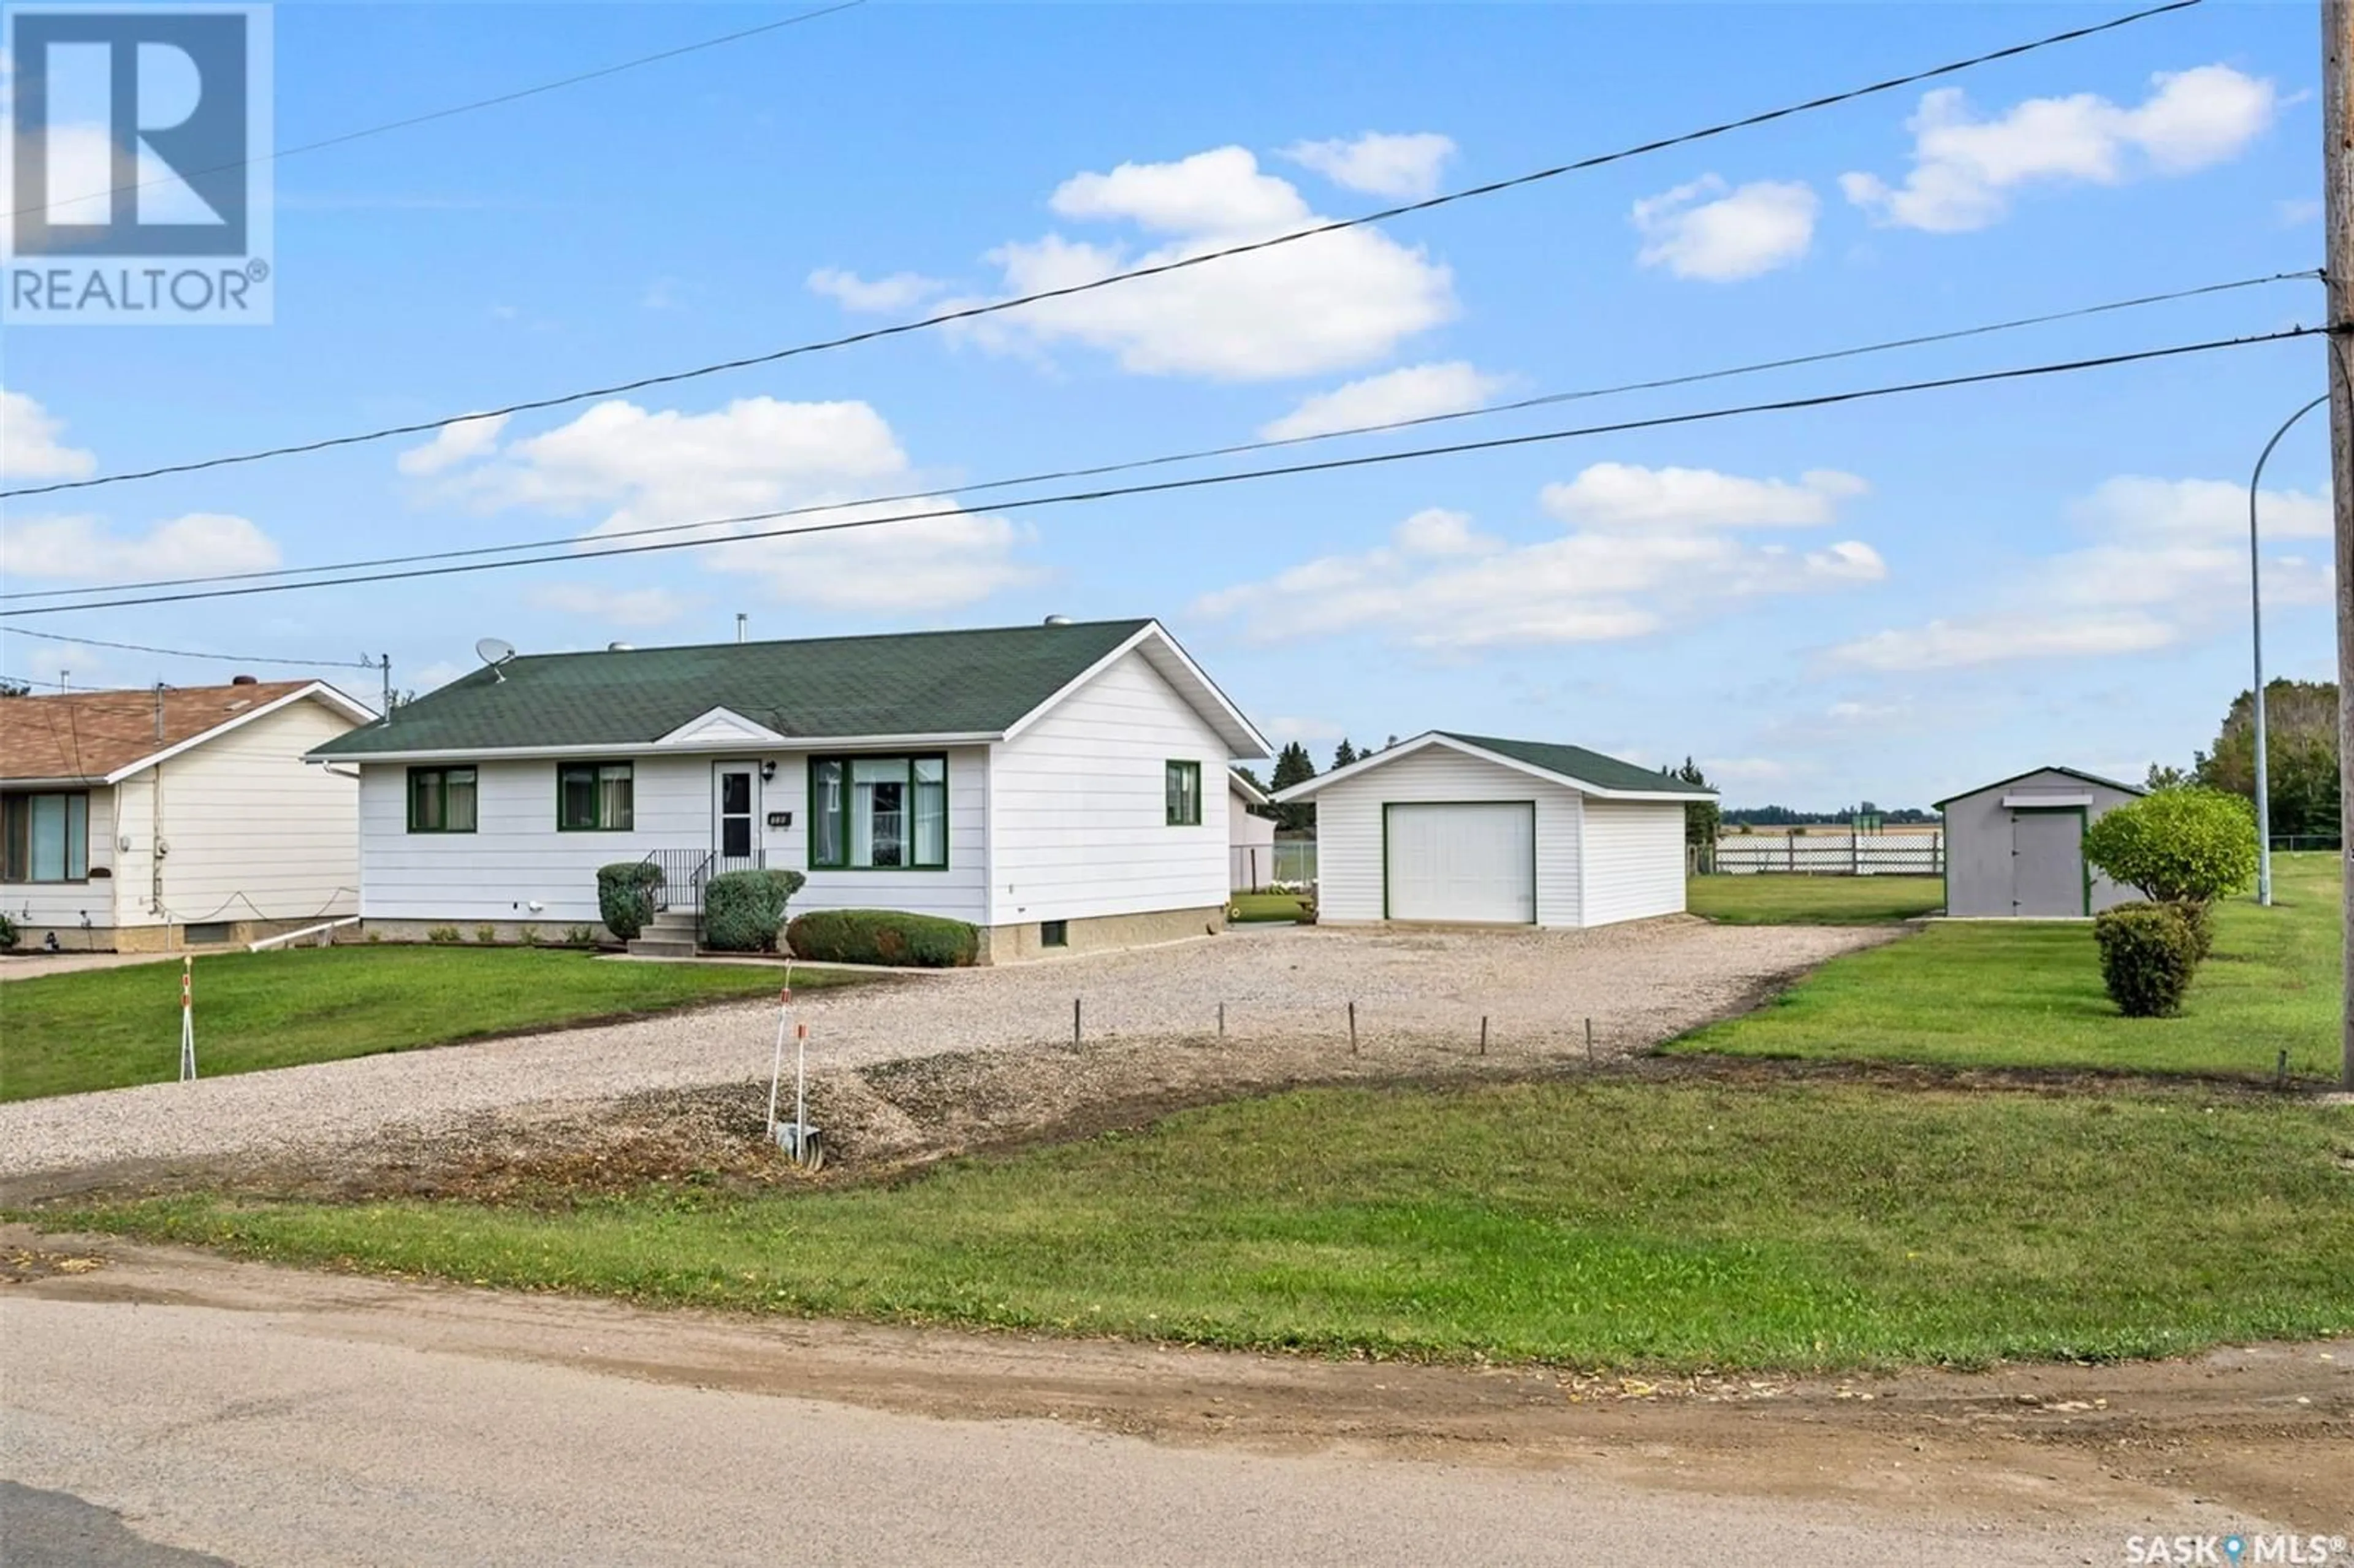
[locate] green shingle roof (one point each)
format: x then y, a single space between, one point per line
1577 762
925 682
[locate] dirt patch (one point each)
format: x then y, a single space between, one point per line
884 1120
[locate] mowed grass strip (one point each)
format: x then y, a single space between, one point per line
103 1029
1263 906
1808 1226
2027 994
1774 898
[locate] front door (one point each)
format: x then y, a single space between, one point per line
734 804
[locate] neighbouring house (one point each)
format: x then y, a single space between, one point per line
1467 829
1250 836
2015 848
1045 783
141 820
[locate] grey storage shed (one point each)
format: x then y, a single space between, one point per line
2015 848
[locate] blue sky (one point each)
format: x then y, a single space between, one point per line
1892 600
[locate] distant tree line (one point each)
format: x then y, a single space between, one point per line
1791 817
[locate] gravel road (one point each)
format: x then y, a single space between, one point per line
1638 983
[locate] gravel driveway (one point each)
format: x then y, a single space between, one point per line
1638 983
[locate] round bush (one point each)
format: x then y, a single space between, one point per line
2187 845
743 910
625 896
882 936
2148 954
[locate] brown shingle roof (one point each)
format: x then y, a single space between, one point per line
88 735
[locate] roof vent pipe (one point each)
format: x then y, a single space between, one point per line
244 680
743 626
617 648
1058 621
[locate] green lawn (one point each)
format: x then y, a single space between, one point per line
1663 1225
1775 899
2007 994
105 1028
1249 907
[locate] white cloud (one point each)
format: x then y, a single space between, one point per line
1738 234
1624 495
1406 168
661 294
621 606
899 292
1305 308
2167 562
638 468
2297 211
451 445
1440 584
29 444
1411 392
82 548
1964 168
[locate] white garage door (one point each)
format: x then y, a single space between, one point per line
1463 862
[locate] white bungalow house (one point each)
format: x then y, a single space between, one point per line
140 820
1045 783
1475 830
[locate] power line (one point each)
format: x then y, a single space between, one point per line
280 154
1198 481
1235 449
1155 270
187 653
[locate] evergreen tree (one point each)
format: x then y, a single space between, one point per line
1703 819
1343 753
1294 766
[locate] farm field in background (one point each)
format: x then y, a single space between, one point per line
1802 900
2027 994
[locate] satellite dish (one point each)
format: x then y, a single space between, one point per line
494 651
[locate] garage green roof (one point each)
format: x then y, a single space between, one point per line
979 681
1577 762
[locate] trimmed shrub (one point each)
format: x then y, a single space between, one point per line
8 935
2148 954
2201 919
744 910
625 896
2188 845
882 936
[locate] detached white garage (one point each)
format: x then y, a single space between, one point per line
1472 830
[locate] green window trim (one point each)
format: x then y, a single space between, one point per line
910 823
45 837
607 801
443 800
1182 793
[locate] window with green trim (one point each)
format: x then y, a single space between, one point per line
442 800
1182 784
595 797
878 813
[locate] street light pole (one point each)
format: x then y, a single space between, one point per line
2256 632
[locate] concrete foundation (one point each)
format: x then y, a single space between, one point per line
1101 933
154 939
482 933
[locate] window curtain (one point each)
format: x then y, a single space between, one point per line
878 824
826 813
931 810
458 800
613 795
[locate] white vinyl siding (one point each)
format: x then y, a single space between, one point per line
1349 868
59 905
1079 810
254 833
1634 860
516 856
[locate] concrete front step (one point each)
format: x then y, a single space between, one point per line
656 945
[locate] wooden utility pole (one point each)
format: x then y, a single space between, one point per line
2338 218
